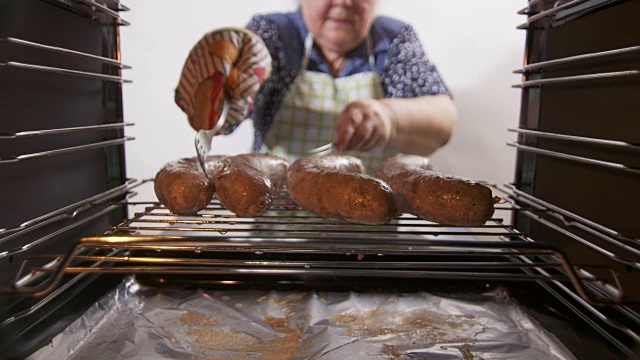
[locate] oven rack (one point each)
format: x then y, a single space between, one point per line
533 18
71 212
94 10
414 249
288 242
23 43
539 12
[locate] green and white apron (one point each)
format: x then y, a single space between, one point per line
307 116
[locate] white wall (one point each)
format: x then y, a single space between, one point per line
474 44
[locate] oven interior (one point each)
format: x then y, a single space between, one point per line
72 227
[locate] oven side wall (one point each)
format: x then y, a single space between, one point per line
34 187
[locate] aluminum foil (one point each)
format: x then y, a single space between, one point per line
136 322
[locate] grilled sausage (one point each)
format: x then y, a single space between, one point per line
182 186
245 183
336 187
436 197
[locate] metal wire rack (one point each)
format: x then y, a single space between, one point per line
289 242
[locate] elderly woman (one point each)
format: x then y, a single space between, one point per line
341 75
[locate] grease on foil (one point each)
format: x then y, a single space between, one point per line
135 322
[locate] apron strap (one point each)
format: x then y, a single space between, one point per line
308 46
372 58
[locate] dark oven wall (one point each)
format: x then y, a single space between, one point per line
62 131
34 100
580 131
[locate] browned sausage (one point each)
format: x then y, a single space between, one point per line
182 186
437 197
245 183
336 187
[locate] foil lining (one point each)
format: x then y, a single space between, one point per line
136 322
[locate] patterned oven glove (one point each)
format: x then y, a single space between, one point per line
228 63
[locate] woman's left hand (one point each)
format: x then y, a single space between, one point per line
364 125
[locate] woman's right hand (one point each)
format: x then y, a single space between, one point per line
228 64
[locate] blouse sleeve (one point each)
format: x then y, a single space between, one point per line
272 92
409 73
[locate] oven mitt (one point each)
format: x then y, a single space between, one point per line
228 63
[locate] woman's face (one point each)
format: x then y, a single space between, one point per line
338 25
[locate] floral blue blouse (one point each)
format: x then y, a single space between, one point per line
404 69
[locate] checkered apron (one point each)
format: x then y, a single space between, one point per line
306 118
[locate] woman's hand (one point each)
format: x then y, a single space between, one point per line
226 65
364 125
417 126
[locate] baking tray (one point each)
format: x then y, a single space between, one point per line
140 322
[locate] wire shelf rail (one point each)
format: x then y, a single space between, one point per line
287 241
